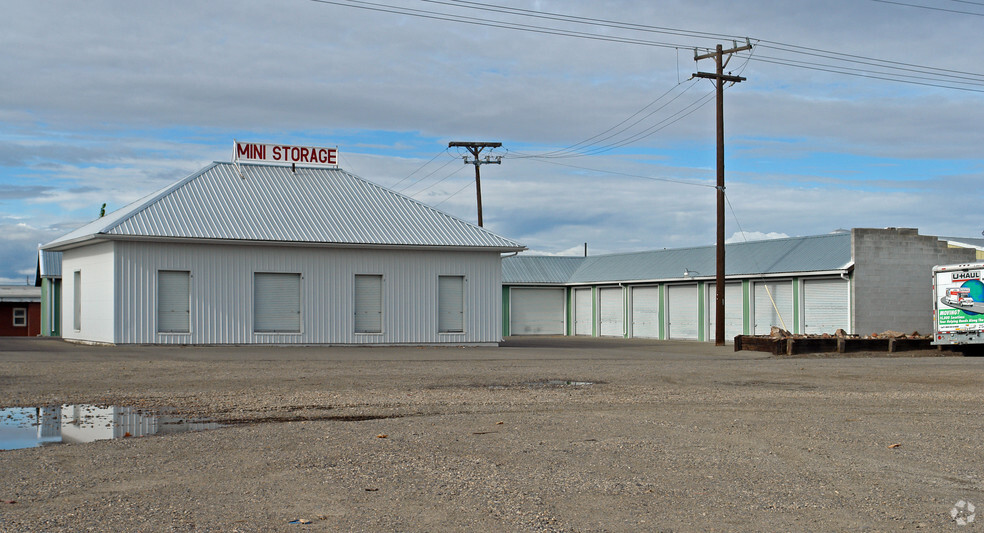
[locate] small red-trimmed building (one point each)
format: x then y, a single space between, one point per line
20 311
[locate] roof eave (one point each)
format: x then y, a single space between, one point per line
61 246
300 244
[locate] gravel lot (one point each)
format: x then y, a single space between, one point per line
669 436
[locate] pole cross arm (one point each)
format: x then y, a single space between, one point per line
722 77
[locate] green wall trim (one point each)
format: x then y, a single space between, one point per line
662 312
570 310
594 311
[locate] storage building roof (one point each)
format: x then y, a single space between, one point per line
277 205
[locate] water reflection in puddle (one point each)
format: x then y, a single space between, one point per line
27 427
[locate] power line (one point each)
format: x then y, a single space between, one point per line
941 78
431 173
435 15
432 185
616 173
453 195
957 11
418 169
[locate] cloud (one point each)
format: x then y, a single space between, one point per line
745 236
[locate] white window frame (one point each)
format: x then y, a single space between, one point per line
20 317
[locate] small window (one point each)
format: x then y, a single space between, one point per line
77 303
20 317
276 303
450 304
368 304
173 301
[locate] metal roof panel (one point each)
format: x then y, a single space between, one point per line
272 203
776 256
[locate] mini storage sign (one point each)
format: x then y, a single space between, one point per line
279 154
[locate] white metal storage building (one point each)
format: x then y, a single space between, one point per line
247 253
862 281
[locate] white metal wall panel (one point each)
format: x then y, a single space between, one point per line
645 312
733 311
826 305
451 304
681 304
612 312
97 305
765 313
368 304
221 302
536 311
173 301
583 312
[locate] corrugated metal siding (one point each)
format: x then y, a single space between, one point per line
50 264
221 285
274 204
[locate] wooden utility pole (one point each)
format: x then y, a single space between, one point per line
720 78
476 148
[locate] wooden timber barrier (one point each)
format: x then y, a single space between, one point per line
803 345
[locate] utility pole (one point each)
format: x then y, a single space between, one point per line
476 148
719 76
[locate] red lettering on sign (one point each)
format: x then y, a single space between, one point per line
250 151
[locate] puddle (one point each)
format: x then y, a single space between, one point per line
560 383
28 427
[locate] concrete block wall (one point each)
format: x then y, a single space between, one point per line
892 280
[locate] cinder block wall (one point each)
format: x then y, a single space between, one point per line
892 282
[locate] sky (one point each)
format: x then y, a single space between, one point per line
853 113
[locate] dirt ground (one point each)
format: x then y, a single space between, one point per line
648 436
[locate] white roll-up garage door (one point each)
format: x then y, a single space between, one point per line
681 303
826 305
765 314
276 302
536 311
611 312
733 316
173 301
583 312
645 312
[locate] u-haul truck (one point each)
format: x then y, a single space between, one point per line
958 304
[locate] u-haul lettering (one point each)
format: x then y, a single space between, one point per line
964 276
